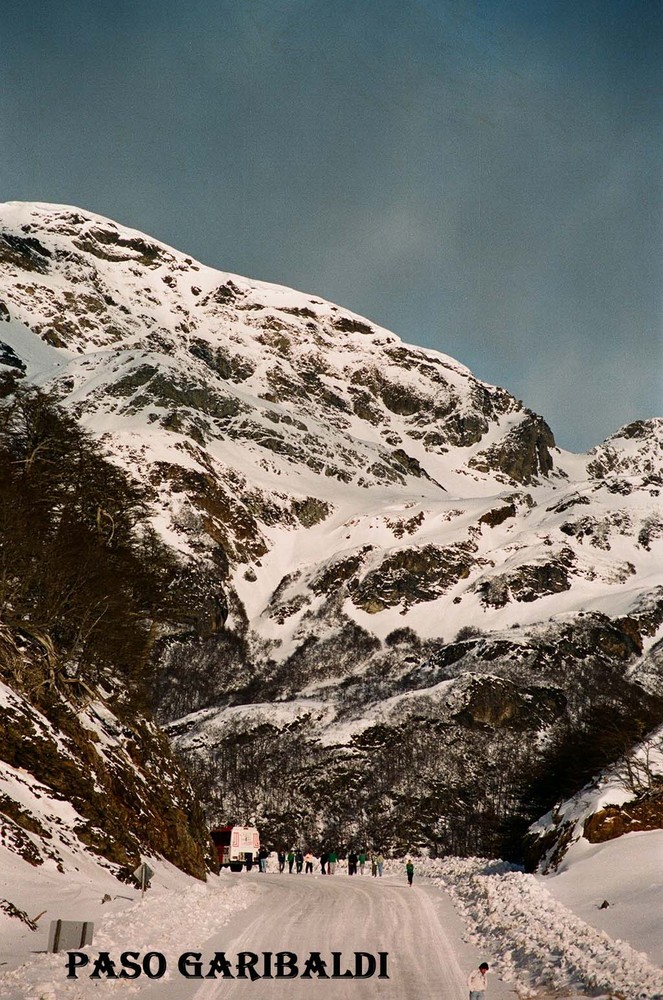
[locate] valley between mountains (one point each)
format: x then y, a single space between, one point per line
392 611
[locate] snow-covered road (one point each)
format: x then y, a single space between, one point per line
417 927
536 942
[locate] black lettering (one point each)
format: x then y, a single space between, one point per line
161 965
219 964
75 960
315 964
103 964
370 959
382 974
188 959
246 962
127 963
336 967
286 960
267 965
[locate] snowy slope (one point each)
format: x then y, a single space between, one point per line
623 801
627 873
398 542
90 784
176 913
307 442
602 849
548 940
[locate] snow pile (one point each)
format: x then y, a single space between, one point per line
156 923
628 874
626 870
536 941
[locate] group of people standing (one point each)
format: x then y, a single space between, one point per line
297 861
359 862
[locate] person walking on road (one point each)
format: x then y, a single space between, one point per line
380 864
362 862
281 857
476 982
308 861
409 870
374 865
352 863
324 858
262 859
291 860
299 859
333 858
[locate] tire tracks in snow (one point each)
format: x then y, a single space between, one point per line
333 913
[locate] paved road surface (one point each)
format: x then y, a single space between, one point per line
417 926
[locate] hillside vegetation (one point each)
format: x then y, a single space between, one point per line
86 590
368 595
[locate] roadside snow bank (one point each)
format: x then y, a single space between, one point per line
628 874
170 921
535 940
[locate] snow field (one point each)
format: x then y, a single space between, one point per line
628 874
529 938
166 920
535 940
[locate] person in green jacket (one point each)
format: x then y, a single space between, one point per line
409 870
362 862
291 859
333 858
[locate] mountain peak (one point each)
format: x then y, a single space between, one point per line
88 286
368 522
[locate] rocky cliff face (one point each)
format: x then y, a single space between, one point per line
365 508
87 774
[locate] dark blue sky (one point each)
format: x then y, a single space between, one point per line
480 176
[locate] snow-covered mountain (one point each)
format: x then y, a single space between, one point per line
625 798
80 781
396 554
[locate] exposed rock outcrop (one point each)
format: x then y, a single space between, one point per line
395 554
